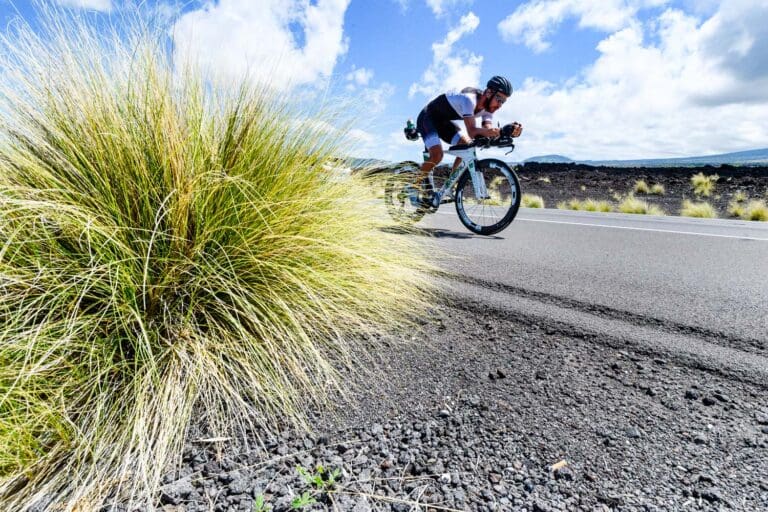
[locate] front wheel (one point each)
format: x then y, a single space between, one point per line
486 212
401 199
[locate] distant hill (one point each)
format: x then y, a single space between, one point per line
752 157
550 159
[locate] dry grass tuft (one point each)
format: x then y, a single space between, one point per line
532 201
167 244
757 210
631 204
641 187
700 209
703 185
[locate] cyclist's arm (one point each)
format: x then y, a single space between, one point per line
487 130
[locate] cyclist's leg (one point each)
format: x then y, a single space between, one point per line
432 144
459 137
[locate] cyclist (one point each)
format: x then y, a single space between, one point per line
435 122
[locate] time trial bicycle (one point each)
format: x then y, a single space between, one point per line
486 192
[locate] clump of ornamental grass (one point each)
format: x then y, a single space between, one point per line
704 185
588 205
737 205
168 244
657 189
756 209
641 187
701 209
592 205
631 204
532 201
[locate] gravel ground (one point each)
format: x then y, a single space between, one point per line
488 411
483 410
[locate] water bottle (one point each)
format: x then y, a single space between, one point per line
411 133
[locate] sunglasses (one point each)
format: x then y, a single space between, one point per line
499 98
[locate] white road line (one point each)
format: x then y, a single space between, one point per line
520 219
643 229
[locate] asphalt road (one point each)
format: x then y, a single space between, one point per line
695 288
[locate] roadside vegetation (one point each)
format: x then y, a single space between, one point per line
641 187
631 204
589 205
532 201
704 185
756 210
702 210
168 245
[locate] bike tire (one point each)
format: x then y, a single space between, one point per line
396 196
503 188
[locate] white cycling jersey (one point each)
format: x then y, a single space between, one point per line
465 101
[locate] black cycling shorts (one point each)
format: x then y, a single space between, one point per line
436 120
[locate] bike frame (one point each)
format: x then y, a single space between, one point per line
468 160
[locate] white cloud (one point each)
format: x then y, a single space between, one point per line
282 42
451 68
359 76
98 5
700 87
532 22
442 7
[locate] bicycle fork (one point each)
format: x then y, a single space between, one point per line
478 181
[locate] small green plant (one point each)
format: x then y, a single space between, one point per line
637 206
259 505
657 189
701 210
703 185
532 201
583 188
302 501
641 187
545 179
321 478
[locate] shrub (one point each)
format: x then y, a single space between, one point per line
637 206
532 201
756 210
592 205
736 209
572 204
641 187
167 246
589 205
703 186
657 189
701 210
739 197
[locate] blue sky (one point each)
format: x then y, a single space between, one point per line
594 79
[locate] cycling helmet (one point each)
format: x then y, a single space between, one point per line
500 84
